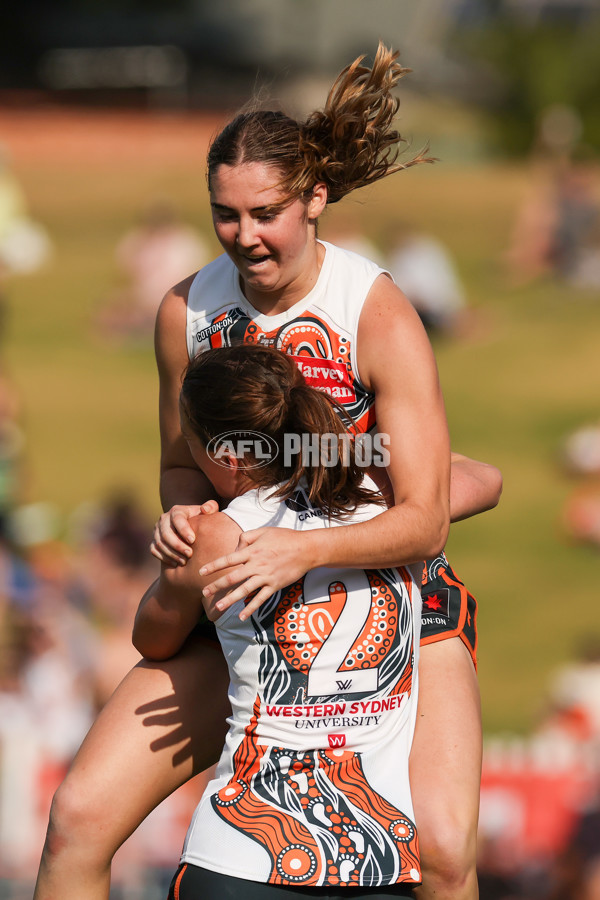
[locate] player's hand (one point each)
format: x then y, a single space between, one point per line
265 560
173 535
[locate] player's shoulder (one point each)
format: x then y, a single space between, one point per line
173 311
169 332
387 307
389 320
174 302
216 535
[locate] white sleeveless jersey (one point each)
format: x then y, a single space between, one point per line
312 787
318 332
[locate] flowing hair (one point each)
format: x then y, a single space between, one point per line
349 144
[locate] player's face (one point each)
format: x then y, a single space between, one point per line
228 481
270 238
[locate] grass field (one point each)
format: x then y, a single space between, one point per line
513 390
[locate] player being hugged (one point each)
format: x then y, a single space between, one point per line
312 787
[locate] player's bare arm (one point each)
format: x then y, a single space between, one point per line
171 607
396 363
474 487
183 487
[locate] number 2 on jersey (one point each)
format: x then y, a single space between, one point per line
339 631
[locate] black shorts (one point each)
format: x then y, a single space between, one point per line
195 883
449 610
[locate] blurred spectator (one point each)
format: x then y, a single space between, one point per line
540 809
577 870
576 227
581 513
557 228
160 251
65 642
581 457
496 876
348 234
56 678
581 452
531 243
532 794
45 710
115 567
420 265
124 533
24 244
575 690
12 443
422 268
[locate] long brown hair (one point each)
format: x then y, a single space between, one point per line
349 144
248 389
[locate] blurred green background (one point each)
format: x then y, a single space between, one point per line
515 386
514 389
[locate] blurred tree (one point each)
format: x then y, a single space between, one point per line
535 64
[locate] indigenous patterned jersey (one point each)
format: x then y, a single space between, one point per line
319 332
312 787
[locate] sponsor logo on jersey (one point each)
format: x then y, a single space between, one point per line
328 376
214 328
437 603
336 740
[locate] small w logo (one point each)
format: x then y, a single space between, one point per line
344 685
336 740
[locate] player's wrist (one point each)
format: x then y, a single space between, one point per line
314 549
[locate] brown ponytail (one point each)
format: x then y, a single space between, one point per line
349 144
249 389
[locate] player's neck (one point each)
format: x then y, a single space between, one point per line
284 294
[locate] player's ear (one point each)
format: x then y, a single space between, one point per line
231 462
318 200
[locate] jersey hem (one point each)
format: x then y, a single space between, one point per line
190 859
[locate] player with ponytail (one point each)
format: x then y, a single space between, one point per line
264 825
353 334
